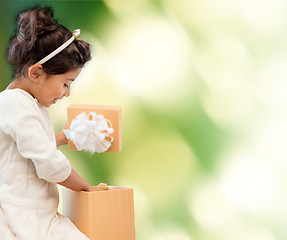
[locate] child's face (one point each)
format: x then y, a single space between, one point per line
55 87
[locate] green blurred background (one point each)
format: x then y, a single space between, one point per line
203 90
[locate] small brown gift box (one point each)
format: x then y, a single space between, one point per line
102 215
112 113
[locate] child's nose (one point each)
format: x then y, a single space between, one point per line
67 92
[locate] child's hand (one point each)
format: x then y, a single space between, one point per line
99 187
92 189
102 187
61 137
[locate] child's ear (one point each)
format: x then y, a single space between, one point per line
35 71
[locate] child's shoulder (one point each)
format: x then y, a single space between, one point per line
17 100
16 103
15 95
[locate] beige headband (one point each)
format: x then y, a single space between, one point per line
76 34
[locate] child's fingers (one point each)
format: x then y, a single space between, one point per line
102 187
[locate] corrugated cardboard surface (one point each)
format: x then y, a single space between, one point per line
112 113
102 215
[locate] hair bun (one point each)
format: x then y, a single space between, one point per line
33 24
36 36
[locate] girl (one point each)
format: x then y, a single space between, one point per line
46 58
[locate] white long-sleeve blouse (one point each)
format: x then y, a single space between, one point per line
30 167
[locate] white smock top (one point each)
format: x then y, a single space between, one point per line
30 167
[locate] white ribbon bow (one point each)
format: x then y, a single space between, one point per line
90 132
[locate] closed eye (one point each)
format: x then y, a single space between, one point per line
66 85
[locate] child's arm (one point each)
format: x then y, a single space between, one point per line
61 139
77 183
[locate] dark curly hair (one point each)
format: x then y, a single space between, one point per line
37 35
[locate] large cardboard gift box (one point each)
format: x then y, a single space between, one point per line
102 215
112 113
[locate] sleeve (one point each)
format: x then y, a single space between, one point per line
21 120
